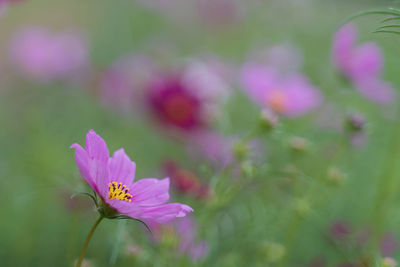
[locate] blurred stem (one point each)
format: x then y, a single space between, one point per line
78 264
386 184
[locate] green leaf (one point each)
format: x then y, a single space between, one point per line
386 31
87 194
124 217
392 12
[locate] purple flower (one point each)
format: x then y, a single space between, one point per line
43 56
389 245
361 64
112 179
290 95
189 244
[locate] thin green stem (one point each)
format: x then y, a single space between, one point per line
89 236
386 181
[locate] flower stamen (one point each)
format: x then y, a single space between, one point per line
118 191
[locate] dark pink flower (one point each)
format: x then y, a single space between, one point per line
44 56
186 182
291 95
361 64
175 105
112 178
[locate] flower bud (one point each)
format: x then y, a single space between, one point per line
268 120
299 144
388 262
273 252
241 150
355 122
302 207
247 168
336 176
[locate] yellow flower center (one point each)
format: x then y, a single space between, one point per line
118 191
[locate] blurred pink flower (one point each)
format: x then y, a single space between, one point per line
182 100
186 233
389 245
288 95
220 13
112 179
126 81
43 56
189 99
189 244
361 64
213 146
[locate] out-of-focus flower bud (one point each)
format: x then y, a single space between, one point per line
299 144
241 150
302 207
268 120
86 263
388 262
247 168
355 122
340 230
336 176
273 252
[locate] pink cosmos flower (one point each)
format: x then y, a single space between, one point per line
361 64
43 56
112 178
5 3
289 95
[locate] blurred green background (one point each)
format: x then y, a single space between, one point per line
281 218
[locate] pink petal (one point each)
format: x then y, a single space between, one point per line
302 97
366 61
376 90
121 168
98 161
343 43
96 147
150 192
166 213
257 80
82 160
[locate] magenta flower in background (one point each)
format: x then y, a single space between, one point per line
187 100
112 178
185 181
361 64
174 105
289 95
43 56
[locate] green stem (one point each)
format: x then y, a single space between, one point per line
386 181
78 264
